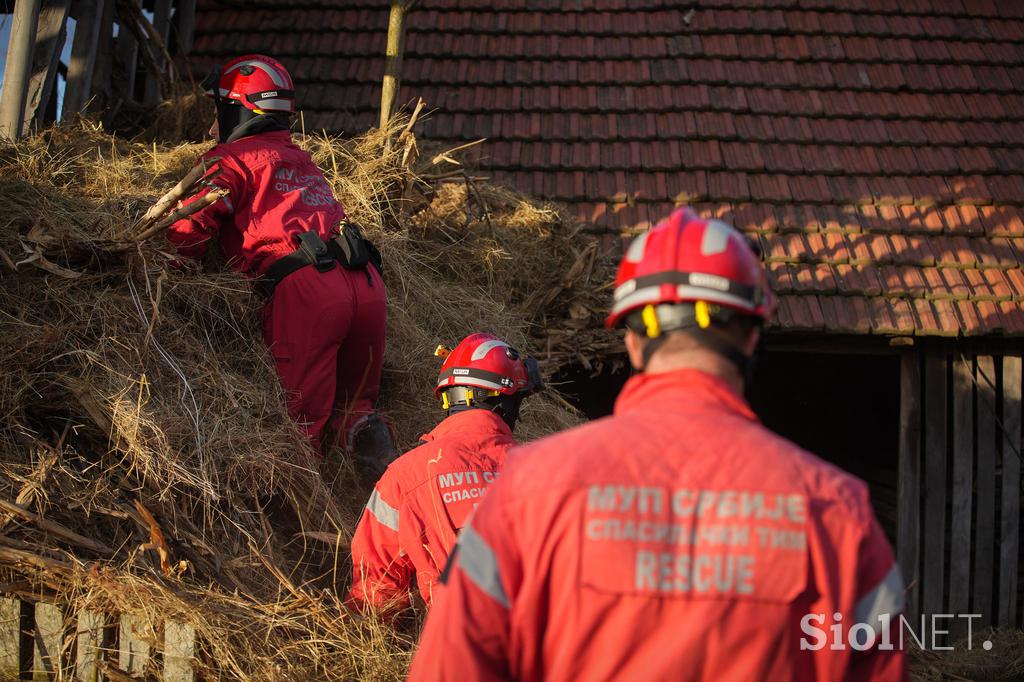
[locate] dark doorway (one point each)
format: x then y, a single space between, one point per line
842 407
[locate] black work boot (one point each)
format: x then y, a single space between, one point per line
372 446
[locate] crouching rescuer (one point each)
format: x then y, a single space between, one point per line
325 305
677 539
426 496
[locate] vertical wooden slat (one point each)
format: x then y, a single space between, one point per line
179 651
49 636
10 638
83 58
162 24
101 93
908 543
134 648
126 49
90 639
1010 444
963 486
985 512
17 68
185 23
934 537
51 31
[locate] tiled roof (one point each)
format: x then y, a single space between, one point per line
875 147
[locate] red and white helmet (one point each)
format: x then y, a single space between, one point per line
255 81
687 259
485 362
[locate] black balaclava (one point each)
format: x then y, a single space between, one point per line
236 121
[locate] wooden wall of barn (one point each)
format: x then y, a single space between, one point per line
959 530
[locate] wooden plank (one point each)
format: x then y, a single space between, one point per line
908 543
162 24
51 31
83 58
101 94
10 638
179 652
134 644
185 24
963 486
125 65
1011 447
18 68
90 640
985 511
934 456
49 636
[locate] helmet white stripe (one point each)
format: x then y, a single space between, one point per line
685 292
635 253
716 238
266 68
484 348
274 104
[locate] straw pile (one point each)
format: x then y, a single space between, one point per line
148 462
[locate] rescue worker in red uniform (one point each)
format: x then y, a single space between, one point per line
426 495
677 539
280 224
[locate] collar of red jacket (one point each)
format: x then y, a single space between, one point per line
478 422
684 387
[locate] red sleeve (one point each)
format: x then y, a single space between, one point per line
467 633
381 572
880 596
191 235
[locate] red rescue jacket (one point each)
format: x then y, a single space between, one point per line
276 193
676 540
417 508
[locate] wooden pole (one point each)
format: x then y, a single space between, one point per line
16 70
162 24
51 31
83 58
393 60
101 92
908 541
185 24
125 63
1011 443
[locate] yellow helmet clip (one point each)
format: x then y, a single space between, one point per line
650 317
702 312
442 351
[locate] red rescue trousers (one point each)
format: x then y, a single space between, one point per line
325 331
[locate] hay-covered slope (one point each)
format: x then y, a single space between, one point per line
139 404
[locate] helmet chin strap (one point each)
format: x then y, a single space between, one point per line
505 406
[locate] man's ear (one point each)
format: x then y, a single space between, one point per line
635 349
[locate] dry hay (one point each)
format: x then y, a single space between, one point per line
148 459
1004 661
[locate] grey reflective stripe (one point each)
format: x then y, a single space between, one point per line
716 238
886 599
477 561
635 253
484 348
383 511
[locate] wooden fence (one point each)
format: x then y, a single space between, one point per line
120 59
960 483
43 642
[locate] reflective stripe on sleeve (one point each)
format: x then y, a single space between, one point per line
887 598
382 511
478 562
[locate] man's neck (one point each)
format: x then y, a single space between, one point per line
705 361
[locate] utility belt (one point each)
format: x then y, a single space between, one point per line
349 248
